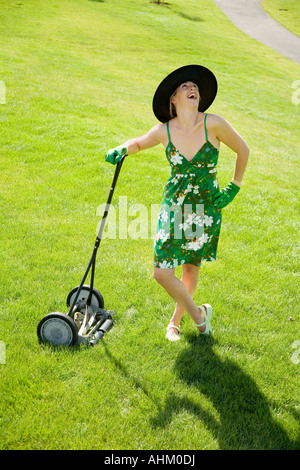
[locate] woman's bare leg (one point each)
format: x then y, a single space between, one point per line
180 293
190 276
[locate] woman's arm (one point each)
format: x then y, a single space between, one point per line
153 137
226 134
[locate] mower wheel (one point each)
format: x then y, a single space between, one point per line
97 300
57 328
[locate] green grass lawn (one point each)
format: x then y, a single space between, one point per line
79 78
286 12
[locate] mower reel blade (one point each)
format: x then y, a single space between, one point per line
106 326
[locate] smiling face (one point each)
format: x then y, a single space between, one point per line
187 94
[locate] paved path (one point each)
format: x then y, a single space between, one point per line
250 17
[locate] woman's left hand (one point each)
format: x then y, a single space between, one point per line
223 197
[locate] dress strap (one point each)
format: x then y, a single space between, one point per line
168 131
205 127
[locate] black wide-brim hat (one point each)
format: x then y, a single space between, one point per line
201 76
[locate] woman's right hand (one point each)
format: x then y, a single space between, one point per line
114 155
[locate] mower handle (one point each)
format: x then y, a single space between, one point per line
111 192
98 239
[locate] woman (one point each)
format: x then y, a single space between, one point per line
190 217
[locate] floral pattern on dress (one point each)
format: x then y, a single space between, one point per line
188 223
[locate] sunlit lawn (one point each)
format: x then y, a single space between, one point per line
79 78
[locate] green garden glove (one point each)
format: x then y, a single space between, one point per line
114 155
223 197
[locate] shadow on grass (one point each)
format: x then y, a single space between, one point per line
195 19
244 418
123 369
185 16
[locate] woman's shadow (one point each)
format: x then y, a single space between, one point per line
244 418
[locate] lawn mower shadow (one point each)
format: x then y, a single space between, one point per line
129 376
244 420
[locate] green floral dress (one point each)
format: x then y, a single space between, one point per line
188 223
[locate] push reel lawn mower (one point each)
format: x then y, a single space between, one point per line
87 320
